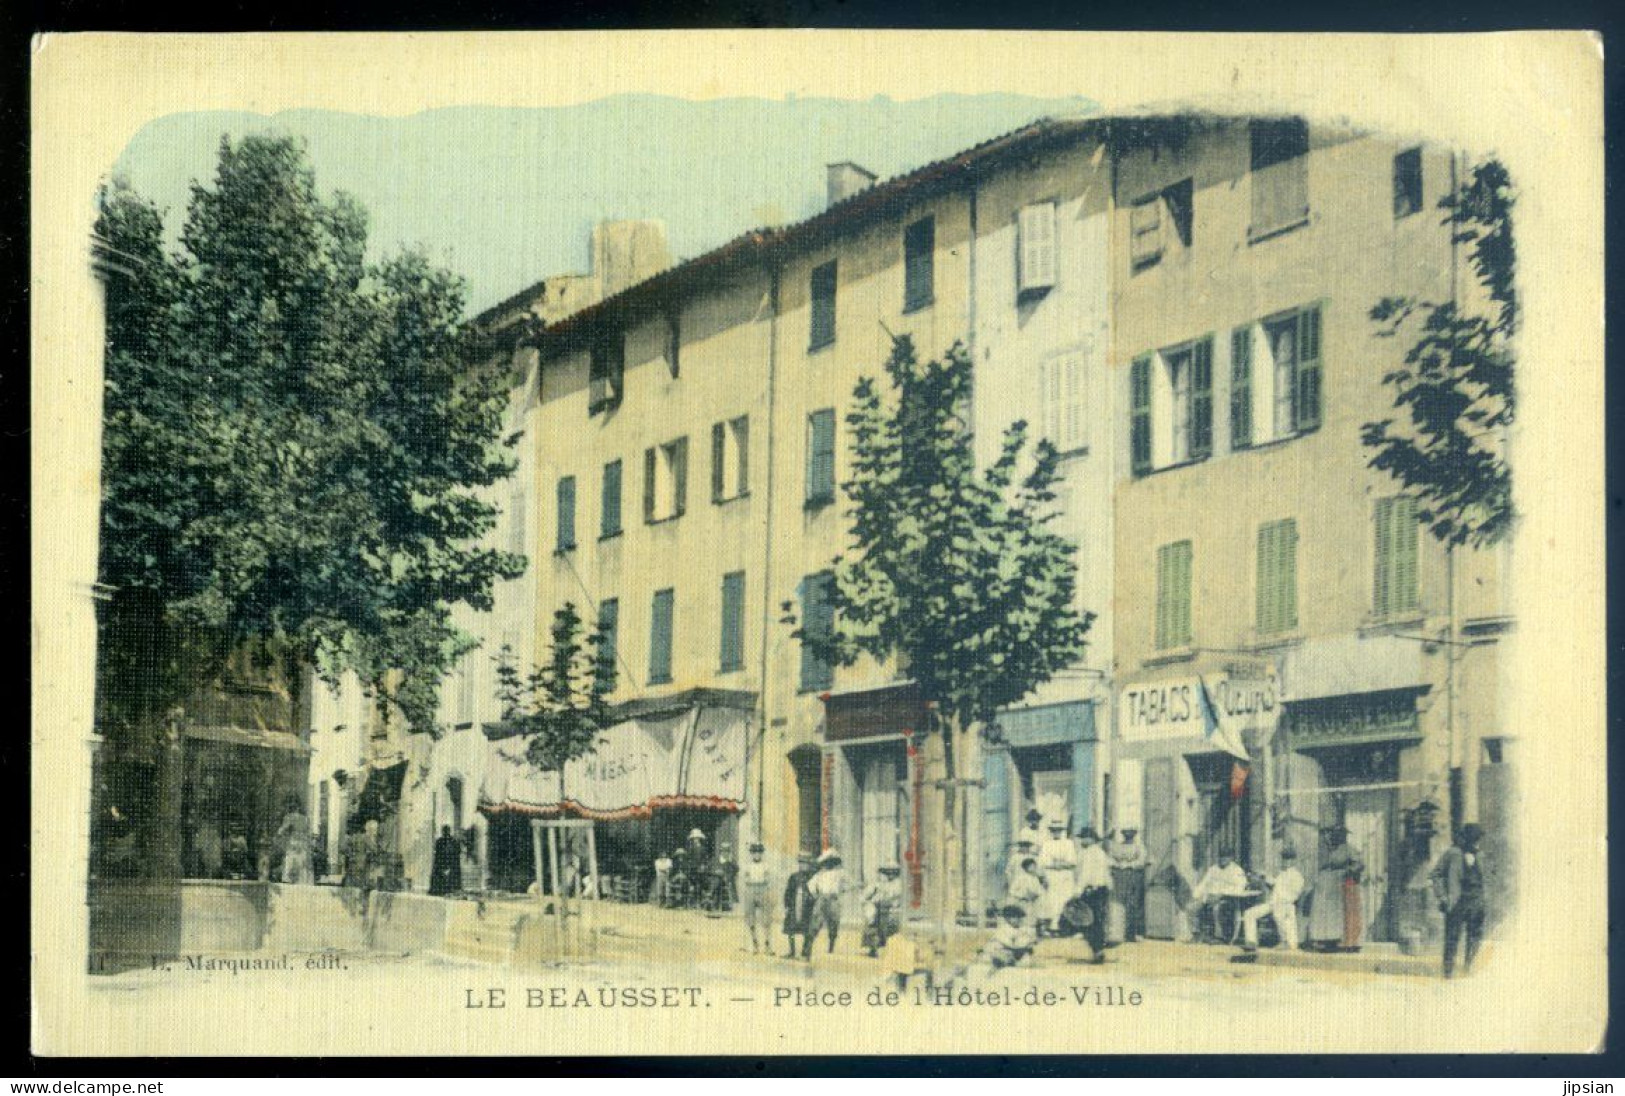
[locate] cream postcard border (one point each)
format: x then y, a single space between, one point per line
1535 99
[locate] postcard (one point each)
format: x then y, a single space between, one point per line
817 542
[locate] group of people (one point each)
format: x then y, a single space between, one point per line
1335 921
690 876
1057 885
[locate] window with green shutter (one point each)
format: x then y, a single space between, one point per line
1277 576
609 629
1174 595
1201 426
660 636
919 253
817 620
1140 415
821 286
821 457
567 513
733 622
1241 388
1307 405
609 522
1394 589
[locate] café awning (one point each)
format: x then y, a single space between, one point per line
688 751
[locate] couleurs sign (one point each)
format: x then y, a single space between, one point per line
1200 707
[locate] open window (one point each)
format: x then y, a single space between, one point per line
1275 378
665 481
606 372
1161 223
1171 406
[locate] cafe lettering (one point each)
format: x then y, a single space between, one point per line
1174 708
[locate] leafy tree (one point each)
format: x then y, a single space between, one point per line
1455 385
955 573
294 440
562 704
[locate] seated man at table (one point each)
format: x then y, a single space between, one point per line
1223 880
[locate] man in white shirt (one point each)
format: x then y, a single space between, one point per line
825 888
1224 879
753 891
1095 888
1282 904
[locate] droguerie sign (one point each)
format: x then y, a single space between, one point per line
1174 708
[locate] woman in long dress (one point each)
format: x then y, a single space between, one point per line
1334 910
1058 861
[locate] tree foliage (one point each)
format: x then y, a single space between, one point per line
1455 384
294 441
953 571
560 705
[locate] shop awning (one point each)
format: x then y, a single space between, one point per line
657 755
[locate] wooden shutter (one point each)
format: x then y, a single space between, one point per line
1182 591
821 456
649 458
1145 231
1381 588
1174 595
1277 576
1306 407
610 519
609 627
1201 425
719 454
1036 232
822 283
733 621
1403 581
742 444
817 614
567 513
1140 415
919 244
679 477
1241 387
660 637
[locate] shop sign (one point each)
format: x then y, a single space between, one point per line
1233 709
1341 721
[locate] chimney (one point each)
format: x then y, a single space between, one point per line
627 252
847 179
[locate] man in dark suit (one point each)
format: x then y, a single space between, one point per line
1458 884
798 903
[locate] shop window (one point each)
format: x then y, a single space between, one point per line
1159 223
1035 247
1174 595
1394 585
821 458
606 372
1277 576
730 459
1280 175
818 622
1407 183
1275 378
567 513
919 257
1171 407
609 521
662 610
733 622
665 481
821 285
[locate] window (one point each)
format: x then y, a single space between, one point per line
516 522
919 255
823 306
1174 595
665 481
609 638
609 520
1035 248
1277 576
733 622
567 513
660 636
1280 182
1158 222
1407 183
1171 407
1064 380
730 459
605 372
1275 374
817 621
674 343
1395 590
821 458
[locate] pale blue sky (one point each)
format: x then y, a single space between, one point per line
507 196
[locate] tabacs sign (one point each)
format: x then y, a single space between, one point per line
1227 710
